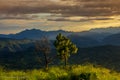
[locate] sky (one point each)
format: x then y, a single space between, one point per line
69 15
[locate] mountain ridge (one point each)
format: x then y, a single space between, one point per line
82 39
34 33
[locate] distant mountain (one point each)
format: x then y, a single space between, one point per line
98 33
112 30
34 34
93 37
37 34
112 39
29 34
83 41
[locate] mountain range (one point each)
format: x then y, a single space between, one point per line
93 37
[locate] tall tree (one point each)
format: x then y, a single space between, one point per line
64 47
43 46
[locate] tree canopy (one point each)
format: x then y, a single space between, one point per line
64 47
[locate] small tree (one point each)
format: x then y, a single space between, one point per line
64 47
43 46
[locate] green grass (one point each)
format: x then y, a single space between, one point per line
74 72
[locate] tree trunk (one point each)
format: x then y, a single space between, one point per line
46 61
65 61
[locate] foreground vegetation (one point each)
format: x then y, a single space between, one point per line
74 72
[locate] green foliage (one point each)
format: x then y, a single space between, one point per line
64 47
74 72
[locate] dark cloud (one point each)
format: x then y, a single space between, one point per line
93 8
27 6
80 20
62 19
17 16
74 8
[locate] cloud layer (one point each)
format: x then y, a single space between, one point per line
64 7
71 15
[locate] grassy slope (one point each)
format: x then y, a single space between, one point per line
75 72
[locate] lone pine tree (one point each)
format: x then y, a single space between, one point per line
64 47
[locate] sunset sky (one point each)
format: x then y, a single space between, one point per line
70 15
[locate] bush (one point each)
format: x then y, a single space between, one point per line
84 76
